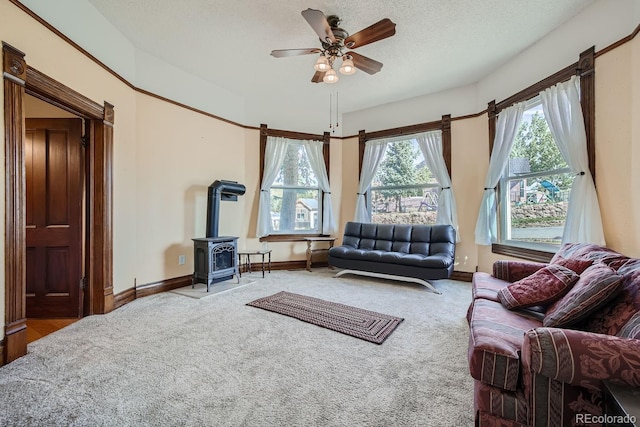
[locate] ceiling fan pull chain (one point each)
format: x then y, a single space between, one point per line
337 116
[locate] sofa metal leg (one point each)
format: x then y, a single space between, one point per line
389 277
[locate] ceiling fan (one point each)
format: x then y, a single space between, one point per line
335 41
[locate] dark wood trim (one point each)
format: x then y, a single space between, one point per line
131 294
404 130
20 79
124 297
463 276
162 286
264 129
492 114
101 221
293 265
289 237
362 140
535 89
2 359
263 148
195 110
446 141
469 116
14 73
326 154
524 253
70 42
619 43
49 90
586 70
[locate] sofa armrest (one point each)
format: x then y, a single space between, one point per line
582 358
512 271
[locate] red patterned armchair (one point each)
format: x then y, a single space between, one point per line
543 337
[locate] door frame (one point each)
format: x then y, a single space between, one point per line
20 79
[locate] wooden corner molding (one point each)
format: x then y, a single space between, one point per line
445 128
586 63
109 114
14 66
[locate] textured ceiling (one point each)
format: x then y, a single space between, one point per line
439 44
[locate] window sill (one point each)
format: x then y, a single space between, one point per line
528 254
289 237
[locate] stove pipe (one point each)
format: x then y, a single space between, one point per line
218 191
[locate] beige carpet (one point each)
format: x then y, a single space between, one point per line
167 360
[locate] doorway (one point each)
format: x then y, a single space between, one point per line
20 80
55 208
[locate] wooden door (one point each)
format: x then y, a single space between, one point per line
54 212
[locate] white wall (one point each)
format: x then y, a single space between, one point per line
601 24
164 79
457 102
93 32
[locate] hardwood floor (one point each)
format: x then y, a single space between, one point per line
38 328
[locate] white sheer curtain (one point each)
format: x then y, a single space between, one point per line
561 106
373 154
506 128
316 159
273 157
430 144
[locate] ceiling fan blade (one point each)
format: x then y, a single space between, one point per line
378 31
319 23
317 77
283 53
365 64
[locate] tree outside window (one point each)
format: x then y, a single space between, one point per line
535 187
295 195
403 190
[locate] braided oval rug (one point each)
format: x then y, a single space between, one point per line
364 324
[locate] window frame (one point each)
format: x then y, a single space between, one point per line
325 138
443 125
583 68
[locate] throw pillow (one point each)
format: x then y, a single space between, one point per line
542 287
596 286
632 328
574 264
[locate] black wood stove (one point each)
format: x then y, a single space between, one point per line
215 258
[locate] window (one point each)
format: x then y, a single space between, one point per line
403 190
515 235
295 195
535 186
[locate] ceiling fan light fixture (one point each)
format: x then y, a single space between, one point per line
330 76
347 68
322 64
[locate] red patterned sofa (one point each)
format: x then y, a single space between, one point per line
542 361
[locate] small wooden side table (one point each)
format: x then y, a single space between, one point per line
313 252
247 254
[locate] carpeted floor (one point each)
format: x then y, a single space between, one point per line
171 360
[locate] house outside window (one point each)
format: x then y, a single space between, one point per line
295 195
535 187
403 190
